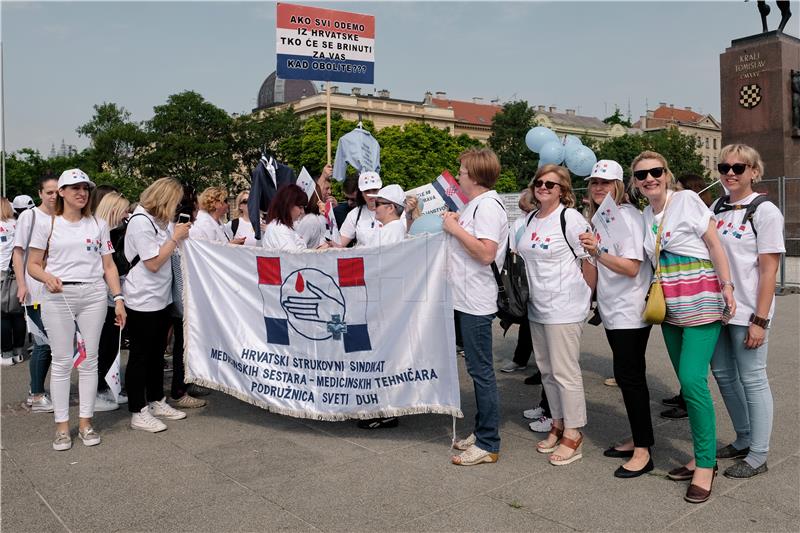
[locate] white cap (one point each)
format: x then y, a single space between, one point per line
74 176
393 193
369 180
606 169
22 202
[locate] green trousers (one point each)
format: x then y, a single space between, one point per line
690 350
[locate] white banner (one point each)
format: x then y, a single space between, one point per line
328 335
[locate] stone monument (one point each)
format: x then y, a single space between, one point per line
758 99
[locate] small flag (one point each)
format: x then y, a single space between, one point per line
450 191
80 347
113 377
306 182
38 335
331 227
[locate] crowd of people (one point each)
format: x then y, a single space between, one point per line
86 263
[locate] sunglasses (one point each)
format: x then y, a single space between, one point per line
738 168
547 184
656 172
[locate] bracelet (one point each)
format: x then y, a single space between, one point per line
598 252
722 284
759 321
118 297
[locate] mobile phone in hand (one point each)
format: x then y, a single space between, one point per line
183 218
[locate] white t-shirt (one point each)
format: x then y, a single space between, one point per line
244 229
145 290
205 227
392 232
312 229
7 230
367 229
687 222
278 236
76 248
473 284
743 247
559 294
621 298
21 240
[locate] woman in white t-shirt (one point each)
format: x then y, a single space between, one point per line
697 285
213 206
360 223
313 226
13 324
285 209
753 241
240 227
389 205
623 277
150 240
479 238
561 279
72 255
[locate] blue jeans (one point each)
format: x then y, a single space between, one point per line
40 358
476 332
741 375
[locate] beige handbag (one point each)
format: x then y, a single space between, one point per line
655 307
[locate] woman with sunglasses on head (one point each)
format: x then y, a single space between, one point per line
240 227
213 206
71 256
561 280
623 277
287 207
751 231
697 287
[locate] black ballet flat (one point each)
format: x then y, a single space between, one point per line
618 454
624 473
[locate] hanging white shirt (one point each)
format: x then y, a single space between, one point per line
365 231
620 298
76 248
278 236
145 290
206 227
473 285
559 294
22 237
742 247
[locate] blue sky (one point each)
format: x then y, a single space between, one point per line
61 58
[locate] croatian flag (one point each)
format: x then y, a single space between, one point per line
450 191
327 303
80 347
331 227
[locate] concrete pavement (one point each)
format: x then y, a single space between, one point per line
234 467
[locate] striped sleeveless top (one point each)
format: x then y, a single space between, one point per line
691 290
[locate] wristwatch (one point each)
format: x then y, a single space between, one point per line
598 252
724 282
758 321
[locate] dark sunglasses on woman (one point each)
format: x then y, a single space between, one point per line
738 168
548 184
656 172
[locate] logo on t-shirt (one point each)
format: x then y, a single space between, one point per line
606 215
731 230
537 241
93 245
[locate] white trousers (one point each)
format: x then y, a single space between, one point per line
88 303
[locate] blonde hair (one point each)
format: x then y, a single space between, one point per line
649 154
161 199
6 209
211 195
747 153
238 212
113 208
567 195
482 165
619 198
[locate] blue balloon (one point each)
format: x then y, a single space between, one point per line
581 160
571 149
537 137
429 223
571 140
552 152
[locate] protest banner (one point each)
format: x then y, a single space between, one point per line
610 228
332 335
325 44
443 194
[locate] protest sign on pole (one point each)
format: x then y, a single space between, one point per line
345 333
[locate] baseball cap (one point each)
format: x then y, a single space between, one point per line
393 193
74 176
369 180
606 169
22 202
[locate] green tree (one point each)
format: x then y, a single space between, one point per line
678 149
190 139
25 167
252 134
115 141
617 118
509 128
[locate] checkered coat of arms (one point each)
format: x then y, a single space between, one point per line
750 96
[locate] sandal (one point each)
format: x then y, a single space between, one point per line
574 445
465 443
474 456
542 446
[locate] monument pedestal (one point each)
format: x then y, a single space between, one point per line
756 98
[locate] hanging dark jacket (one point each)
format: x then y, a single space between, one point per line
263 190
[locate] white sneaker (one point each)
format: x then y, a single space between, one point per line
511 366
122 398
146 422
162 409
533 414
542 425
7 359
103 403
